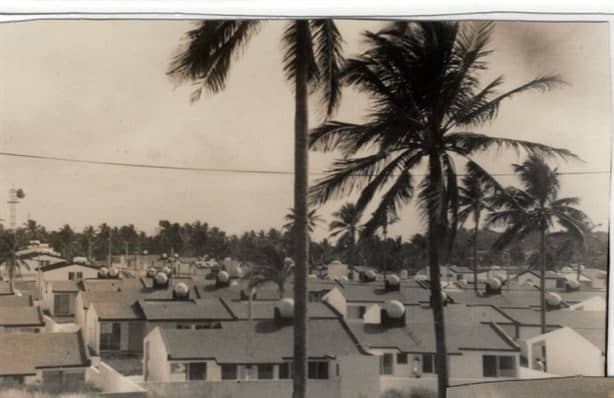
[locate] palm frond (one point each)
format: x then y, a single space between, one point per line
329 59
207 57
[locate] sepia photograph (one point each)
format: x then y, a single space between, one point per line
305 208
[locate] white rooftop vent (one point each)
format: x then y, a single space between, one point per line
161 278
394 309
181 290
103 272
286 308
370 275
393 279
164 255
553 299
113 272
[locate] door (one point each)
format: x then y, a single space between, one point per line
61 304
136 335
197 371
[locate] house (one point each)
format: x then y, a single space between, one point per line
21 319
589 327
596 303
58 297
567 353
404 339
64 271
53 359
247 356
240 310
553 280
562 387
30 258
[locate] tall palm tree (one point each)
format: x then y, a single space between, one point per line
345 227
423 81
275 267
536 208
312 59
474 196
313 219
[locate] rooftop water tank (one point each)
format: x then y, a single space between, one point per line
181 290
572 284
553 299
494 283
370 275
393 279
394 309
286 308
151 272
404 274
223 276
166 270
103 272
113 272
161 278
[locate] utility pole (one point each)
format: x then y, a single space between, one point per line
14 196
109 261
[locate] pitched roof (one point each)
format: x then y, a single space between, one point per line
118 310
258 341
265 310
375 292
590 324
12 300
21 317
512 298
30 351
211 308
58 265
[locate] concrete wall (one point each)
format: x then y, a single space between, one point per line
359 377
109 380
61 274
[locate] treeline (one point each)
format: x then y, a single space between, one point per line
199 239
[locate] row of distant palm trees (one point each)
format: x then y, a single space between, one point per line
426 95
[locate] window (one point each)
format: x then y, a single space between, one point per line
110 335
402 358
317 370
385 367
429 363
249 372
71 276
561 283
197 371
208 325
229 372
356 311
63 377
499 366
79 276
285 370
184 326
11 380
265 372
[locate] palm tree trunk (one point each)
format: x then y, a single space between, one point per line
542 277
475 253
435 235
301 238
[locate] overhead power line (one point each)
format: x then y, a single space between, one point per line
218 170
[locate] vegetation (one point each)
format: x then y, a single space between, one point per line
423 80
312 59
413 393
537 208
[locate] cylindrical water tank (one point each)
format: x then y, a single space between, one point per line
370 275
286 308
572 284
166 270
181 289
103 272
393 279
223 276
113 272
394 309
161 278
494 283
553 299
151 272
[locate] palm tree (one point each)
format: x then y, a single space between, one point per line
423 81
312 59
473 198
536 208
313 219
345 227
275 267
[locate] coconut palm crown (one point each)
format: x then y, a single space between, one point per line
426 96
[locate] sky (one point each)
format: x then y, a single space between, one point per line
98 90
